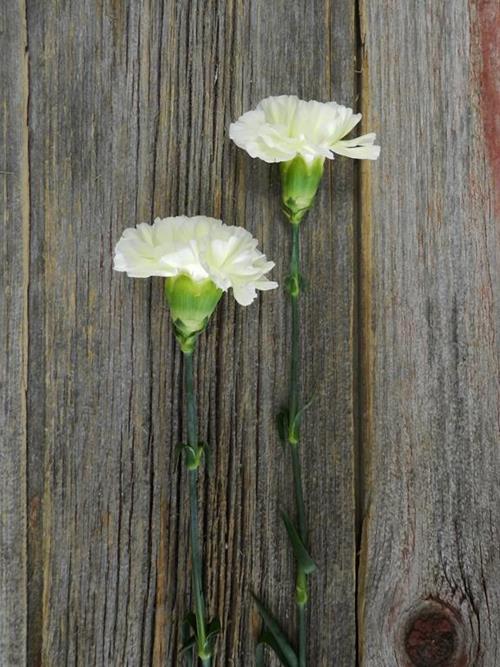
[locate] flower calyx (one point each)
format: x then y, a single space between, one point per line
191 305
300 181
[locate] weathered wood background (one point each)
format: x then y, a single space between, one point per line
115 111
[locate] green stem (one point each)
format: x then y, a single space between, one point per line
293 435
197 568
301 616
299 494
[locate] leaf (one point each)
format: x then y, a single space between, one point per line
189 621
267 639
308 403
188 640
273 628
213 628
188 645
192 454
306 563
298 417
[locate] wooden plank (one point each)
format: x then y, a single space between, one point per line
14 249
430 561
130 106
309 49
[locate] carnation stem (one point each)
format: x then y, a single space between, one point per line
293 436
197 567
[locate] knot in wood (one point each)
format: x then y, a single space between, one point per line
434 637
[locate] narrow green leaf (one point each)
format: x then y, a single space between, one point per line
267 639
298 417
213 630
214 627
188 640
189 621
188 645
304 560
277 634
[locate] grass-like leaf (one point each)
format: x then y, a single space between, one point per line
188 639
275 637
267 639
304 560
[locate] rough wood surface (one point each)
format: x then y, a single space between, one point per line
14 245
116 111
430 561
129 108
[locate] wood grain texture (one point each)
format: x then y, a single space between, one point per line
129 109
117 111
14 269
430 562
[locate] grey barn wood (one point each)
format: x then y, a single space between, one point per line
114 112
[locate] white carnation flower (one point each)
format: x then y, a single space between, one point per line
282 127
199 247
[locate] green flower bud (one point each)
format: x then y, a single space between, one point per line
191 305
299 183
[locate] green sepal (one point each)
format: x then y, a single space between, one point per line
191 305
187 341
287 654
299 183
304 560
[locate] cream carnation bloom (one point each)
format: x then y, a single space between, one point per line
283 127
199 247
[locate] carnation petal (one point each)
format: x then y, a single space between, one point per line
244 294
282 127
361 148
265 285
199 247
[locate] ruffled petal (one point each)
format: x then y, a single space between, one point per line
200 247
244 294
282 127
361 148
